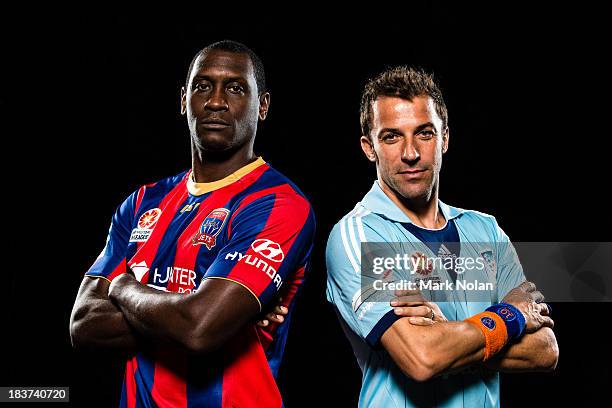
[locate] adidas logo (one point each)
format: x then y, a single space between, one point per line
444 251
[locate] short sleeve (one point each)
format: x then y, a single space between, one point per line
111 262
368 317
509 269
270 239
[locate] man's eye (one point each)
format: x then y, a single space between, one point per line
427 134
202 86
389 137
236 89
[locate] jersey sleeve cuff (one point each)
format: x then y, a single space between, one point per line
97 276
373 338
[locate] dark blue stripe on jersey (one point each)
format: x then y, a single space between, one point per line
205 385
274 353
269 179
166 252
277 177
144 381
123 400
373 338
275 350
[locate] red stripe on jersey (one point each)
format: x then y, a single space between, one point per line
130 382
169 386
121 268
169 206
247 379
283 188
283 233
266 334
186 251
139 196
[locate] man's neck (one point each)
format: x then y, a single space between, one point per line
208 168
424 212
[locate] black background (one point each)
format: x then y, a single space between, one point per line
90 101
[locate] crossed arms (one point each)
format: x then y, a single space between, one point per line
423 348
122 314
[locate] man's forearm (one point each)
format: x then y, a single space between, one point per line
107 328
199 322
534 352
95 323
152 313
424 352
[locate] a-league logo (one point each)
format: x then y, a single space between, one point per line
146 223
149 218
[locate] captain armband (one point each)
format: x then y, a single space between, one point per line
500 324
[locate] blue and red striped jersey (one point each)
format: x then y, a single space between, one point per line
254 228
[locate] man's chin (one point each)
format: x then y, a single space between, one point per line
414 192
214 142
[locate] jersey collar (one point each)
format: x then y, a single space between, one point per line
197 189
378 202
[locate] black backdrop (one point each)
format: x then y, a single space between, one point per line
90 105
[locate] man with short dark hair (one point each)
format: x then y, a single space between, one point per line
406 347
192 260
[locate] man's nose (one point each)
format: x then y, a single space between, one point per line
216 101
410 153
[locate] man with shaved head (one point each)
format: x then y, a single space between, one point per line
193 261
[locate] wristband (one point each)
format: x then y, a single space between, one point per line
513 318
494 329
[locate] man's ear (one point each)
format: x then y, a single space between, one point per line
183 100
368 148
445 137
264 105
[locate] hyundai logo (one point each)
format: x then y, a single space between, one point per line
268 249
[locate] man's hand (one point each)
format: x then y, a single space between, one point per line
275 316
411 304
527 299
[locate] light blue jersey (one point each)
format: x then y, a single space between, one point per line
377 219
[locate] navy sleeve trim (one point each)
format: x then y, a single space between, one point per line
373 339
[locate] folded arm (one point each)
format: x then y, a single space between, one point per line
199 322
96 323
424 347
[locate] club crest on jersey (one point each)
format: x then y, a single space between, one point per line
490 264
145 225
211 227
